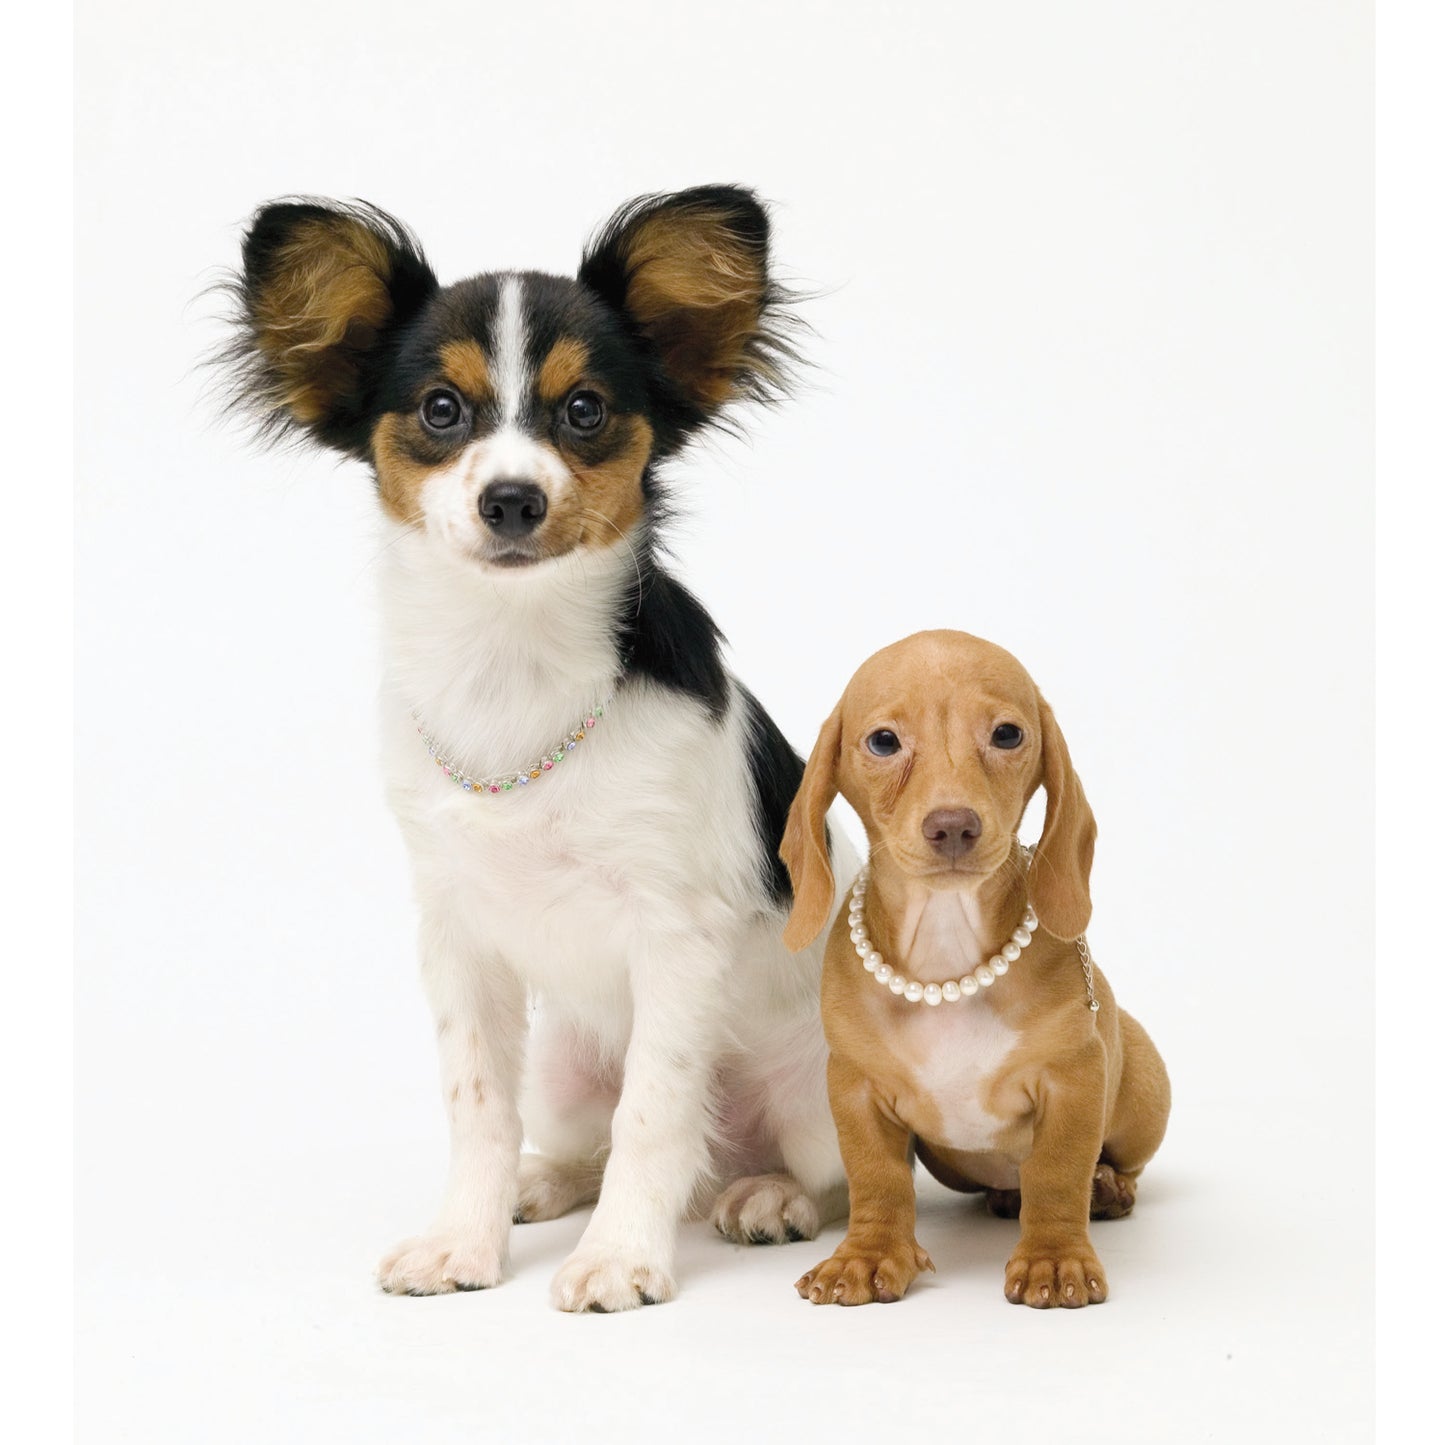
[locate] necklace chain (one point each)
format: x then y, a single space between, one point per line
521 777
954 989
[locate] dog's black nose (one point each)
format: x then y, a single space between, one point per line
513 508
952 831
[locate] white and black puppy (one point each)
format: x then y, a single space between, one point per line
592 803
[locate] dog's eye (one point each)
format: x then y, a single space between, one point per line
1007 735
585 411
882 744
441 410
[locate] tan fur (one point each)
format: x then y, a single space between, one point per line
698 293
1079 1103
606 502
465 366
323 303
564 367
399 476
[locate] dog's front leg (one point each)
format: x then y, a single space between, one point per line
1054 1262
659 1133
481 1023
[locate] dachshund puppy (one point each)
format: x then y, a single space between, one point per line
964 1017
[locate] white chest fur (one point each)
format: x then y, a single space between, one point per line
639 852
956 1050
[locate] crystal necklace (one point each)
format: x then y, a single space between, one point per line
522 777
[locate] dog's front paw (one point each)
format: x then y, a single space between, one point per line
440 1264
860 1274
604 1283
765 1209
1043 1276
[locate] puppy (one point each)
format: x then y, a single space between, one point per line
964 1017
591 802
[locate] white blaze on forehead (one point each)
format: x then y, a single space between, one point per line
509 349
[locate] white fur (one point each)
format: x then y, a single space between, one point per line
957 1047
509 348
621 893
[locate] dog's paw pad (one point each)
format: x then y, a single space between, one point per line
1067 1276
858 1275
765 1209
591 1283
1113 1194
440 1264
549 1188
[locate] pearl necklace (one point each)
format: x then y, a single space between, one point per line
935 993
506 782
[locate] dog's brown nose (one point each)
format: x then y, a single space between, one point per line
952 831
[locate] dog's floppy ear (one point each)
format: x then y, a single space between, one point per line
322 289
689 273
1059 876
805 838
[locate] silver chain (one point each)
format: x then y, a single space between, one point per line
1087 959
1081 943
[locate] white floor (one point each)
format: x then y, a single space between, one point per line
1240 1311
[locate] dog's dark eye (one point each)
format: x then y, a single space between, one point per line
882 744
585 411
441 410
1007 735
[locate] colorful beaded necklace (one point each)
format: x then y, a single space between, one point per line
506 782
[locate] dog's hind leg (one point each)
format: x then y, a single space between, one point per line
1136 1127
570 1093
811 1190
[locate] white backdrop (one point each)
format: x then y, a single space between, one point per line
1093 380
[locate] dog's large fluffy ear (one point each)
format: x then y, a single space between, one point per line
689 273
322 289
805 838
1059 877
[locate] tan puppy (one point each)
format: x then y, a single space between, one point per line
1024 1081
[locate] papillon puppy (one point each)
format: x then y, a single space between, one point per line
592 803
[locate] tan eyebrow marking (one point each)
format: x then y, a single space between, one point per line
565 366
466 367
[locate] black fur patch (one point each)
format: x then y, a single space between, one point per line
776 772
667 636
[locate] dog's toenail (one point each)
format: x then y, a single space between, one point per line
596 1309
646 1298
794 1234
758 1236
468 1288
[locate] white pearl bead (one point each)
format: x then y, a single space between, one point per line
897 983
913 990
968 985
857 934
951 991
873 960
883 972
1031 920
984 974
1022 937
1010 950
999 965
862 948
933 995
